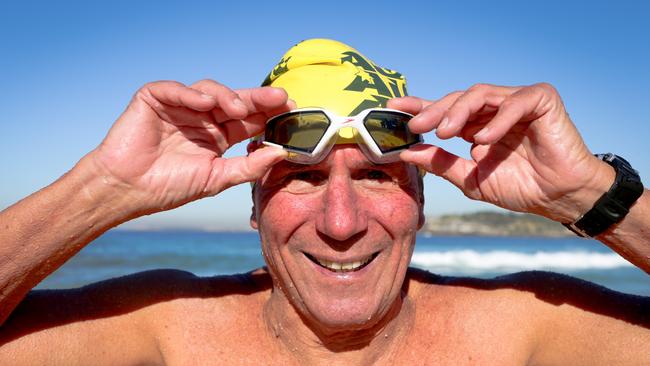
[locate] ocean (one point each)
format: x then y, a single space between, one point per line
120 252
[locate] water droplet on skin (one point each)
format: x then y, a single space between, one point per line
386 335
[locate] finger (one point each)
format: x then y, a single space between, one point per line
240 130
222 136
175 94
267 100
412 105
262 103
470 104
233 171
212 137
460 172
228 100
470 129
182 116
430 117
524 105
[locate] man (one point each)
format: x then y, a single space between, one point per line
337 234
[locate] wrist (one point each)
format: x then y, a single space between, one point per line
573 205
584 199
108 200
613 205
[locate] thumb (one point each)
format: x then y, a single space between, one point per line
456 170
241 169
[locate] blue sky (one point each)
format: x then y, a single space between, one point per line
68 69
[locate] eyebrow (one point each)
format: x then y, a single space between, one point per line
297 167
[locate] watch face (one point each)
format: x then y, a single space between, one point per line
616 157
605 157
614 160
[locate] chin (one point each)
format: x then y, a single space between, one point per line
346 314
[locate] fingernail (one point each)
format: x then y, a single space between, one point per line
207 96
481 133
239 104
444 123
279 153
404 155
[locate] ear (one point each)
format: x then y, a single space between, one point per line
253 220
421 217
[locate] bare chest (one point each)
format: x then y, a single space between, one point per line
448 343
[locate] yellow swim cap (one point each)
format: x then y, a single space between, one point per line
329 74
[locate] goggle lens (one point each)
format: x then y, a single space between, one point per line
390 130
301 130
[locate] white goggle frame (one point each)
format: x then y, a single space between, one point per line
366 143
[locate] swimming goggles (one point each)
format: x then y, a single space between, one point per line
309 134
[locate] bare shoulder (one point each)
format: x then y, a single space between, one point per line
217 299
121 296
548 289
78 321
557 318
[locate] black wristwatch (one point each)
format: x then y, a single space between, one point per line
612 206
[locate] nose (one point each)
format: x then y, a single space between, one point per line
342 216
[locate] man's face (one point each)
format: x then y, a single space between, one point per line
344 212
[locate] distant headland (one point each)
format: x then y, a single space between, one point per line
490 223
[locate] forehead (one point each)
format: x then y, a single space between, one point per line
342 156
347 160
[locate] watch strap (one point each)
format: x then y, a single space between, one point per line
614 204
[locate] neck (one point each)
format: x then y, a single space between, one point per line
311 343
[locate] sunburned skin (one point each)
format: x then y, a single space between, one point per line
342 211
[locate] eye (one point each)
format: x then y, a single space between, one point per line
307 176
376 175
304 181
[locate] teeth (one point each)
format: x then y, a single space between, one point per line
344 267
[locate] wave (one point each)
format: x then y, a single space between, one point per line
470 260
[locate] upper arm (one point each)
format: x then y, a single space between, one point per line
579 337
121 339
105 323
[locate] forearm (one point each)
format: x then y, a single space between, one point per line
631 237
44 230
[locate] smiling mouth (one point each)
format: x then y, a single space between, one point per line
343 267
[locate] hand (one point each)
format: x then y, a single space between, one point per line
166 149
527 155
